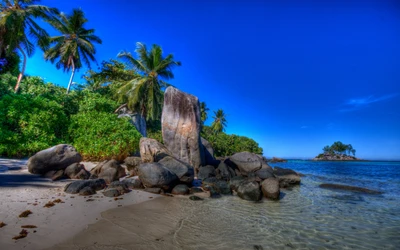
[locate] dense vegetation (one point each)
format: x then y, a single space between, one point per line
339 148
35 115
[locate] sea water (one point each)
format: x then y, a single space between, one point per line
306 216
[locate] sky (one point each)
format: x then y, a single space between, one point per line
293 75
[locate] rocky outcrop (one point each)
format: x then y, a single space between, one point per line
335 157
181 127
184 171
349 188
155 175
246 162
151 150
265 172
109 171
286 177
224 172
270 188
55 158
277 159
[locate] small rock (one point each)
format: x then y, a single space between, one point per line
195 198
249 190
180 189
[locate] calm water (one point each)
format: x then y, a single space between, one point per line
307 217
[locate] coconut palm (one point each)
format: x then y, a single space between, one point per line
19 31
144 92
203 111
74 46
219 122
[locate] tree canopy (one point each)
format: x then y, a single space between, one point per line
340 148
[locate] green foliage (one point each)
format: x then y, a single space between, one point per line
225 144
339 148
12 65
96 102
7 81
219 123
100 135
29 124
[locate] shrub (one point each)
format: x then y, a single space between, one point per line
100 136
225 145
29 124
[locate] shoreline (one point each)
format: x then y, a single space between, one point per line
22 191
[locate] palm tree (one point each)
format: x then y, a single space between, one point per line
144 91
19 31
203 112
219 122
75 45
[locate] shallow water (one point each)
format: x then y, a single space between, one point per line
307 217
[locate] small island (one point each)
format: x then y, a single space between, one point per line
338 151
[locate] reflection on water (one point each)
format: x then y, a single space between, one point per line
308 217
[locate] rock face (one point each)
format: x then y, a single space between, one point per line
206 172
155 175
55 158
151 150
246 162
270 188
249 190
181 127
184 171
224 172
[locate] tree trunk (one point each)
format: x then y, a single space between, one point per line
22 71
72 76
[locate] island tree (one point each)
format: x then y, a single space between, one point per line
19 30
339 148
75 46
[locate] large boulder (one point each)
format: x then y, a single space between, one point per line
206 172
151 150
184 171
109 171
246 162
265 172
76 186
208 153
77 171
224 172
155 175
132 162
133 182
270 188
287 177
249 190
181 127
55 158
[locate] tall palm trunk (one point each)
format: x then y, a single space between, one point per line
72 76
22 71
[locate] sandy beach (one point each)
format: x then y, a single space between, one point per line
20 191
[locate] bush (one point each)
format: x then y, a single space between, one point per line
7 82
225 145
101 136
29 124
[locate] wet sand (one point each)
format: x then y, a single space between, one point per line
20 191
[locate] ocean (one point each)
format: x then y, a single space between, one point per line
306 217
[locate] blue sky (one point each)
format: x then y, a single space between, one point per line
293 75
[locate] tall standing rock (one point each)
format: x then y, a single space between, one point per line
181 127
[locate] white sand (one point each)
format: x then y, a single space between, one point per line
20 191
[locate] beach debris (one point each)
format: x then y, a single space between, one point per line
58 201
28 226
25 213
49 204
116 198
21 235
90 200
2 224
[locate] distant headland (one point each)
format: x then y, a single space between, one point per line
338 151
